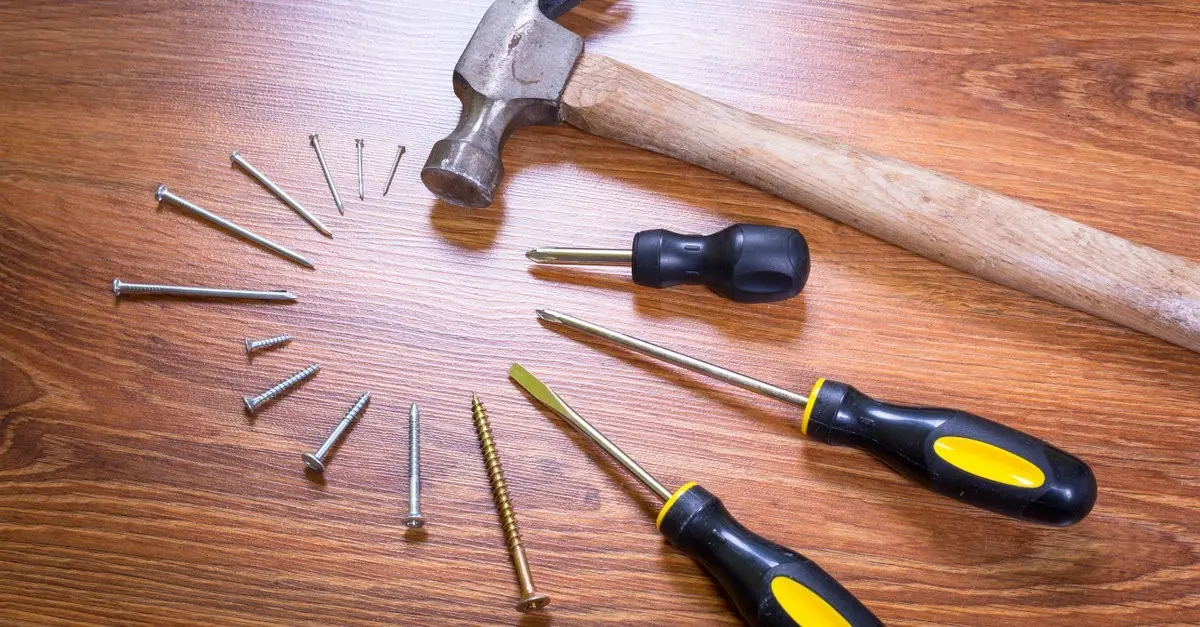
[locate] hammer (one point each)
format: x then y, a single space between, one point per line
522 68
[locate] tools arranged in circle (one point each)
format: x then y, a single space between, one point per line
957 454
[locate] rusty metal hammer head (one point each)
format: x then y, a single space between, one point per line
512 74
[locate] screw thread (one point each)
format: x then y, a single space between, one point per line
257 345
491 462
141 288
278 388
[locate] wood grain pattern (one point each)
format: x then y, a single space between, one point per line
134 491
974 230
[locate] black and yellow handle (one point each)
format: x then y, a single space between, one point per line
961 455
770 585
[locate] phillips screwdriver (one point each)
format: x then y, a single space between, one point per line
952 452
746 263
770 584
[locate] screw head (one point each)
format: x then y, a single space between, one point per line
251 406
234 155
116 287
312 462
160 192
414 521
249 345
313 138
533 601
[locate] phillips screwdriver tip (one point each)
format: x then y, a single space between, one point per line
537 255
549 315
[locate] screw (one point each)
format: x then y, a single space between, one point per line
414 518
337 199
530 598
257 345
125 289
162 193
395 165
316 461
237 158
358 143
253 403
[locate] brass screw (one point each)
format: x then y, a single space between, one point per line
530 599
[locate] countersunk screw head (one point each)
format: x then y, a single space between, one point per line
249 345
533 601
116 287
251 406
312 462
312 139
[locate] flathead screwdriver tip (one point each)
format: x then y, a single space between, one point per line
549 315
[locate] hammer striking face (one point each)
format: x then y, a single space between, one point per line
512 74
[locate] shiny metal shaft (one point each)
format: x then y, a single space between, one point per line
581 256
316 461
358 144
258 345
122 289
691 363
337 198
543 393
237 158
414 518
165 194
395 166
253 403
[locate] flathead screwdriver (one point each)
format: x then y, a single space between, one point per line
746 263
952 452
771 585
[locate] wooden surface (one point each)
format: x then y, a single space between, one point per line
134 490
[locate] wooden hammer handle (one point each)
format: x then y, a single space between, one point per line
992 236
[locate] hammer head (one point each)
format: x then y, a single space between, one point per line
512 74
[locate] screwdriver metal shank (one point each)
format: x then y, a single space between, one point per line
691 363
581 256
548 398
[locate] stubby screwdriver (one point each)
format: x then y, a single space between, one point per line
770 584
960 455
746 263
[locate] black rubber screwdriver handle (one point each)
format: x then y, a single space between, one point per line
960 455
746 263
771 585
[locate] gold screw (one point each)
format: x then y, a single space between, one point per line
530 599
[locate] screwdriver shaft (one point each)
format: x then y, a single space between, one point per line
581 256
691 363
543 393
